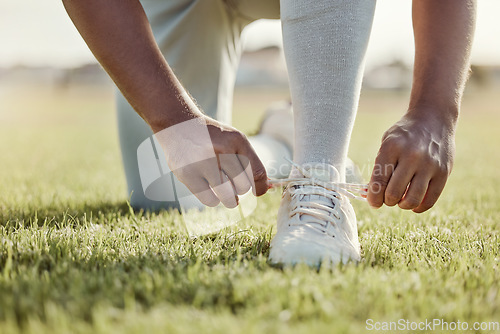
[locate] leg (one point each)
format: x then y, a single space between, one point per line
325 44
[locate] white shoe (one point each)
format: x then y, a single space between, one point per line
316 222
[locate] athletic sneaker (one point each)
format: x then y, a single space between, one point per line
316 222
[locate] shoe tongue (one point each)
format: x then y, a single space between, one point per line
320 200
325 173
319 171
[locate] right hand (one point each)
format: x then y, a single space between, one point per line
216 162
414 161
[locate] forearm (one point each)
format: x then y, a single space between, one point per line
119 35
443 36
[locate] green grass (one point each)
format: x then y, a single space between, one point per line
74 258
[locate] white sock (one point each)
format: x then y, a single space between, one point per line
325 43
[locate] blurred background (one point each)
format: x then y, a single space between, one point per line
56 103
39 36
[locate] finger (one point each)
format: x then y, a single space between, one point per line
245 163
241 183
398 184
415 193
257 175
225 193
434 190
385 164
219 184
198 186
232 167
205 194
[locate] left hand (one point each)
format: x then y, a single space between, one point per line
414 161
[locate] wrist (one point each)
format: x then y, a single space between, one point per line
170 112
436 99
441 113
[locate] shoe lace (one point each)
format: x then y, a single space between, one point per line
318 199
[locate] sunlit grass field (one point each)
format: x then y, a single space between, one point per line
75 259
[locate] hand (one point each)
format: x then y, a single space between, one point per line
215 162
414 162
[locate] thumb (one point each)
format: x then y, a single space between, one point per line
253 167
